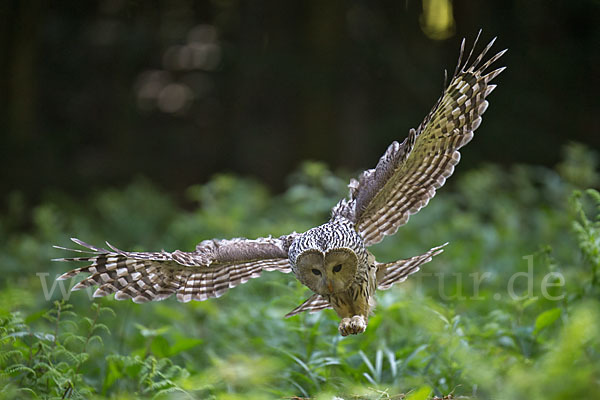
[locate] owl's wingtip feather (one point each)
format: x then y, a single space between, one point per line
66 275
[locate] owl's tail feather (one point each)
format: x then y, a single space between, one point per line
314 303
395 272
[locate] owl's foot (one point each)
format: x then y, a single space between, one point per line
352 326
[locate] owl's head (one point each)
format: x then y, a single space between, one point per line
329 272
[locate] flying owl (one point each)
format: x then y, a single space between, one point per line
332 259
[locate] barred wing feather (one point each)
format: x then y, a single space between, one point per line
389 274
215 267
408 174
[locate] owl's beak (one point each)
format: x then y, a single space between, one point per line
330 287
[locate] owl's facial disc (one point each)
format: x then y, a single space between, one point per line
341 266
329 273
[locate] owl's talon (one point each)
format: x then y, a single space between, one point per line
352 326
343 328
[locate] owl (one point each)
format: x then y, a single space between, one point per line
332 259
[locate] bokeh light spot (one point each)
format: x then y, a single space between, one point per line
174 98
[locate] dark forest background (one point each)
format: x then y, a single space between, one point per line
98 93
159 124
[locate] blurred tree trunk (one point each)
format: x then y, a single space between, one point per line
325 32
21 20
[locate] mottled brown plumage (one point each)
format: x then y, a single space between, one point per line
331 259
408 174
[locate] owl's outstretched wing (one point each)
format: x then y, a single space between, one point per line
215 267
395 272
408 174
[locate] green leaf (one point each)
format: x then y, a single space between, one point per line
421 394
35 316
160 346
113 373
529 302
183 343
149 332
545 319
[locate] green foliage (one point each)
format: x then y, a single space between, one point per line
508 311
588 232
48 364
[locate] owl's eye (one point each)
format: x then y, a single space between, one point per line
337 268
316 272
